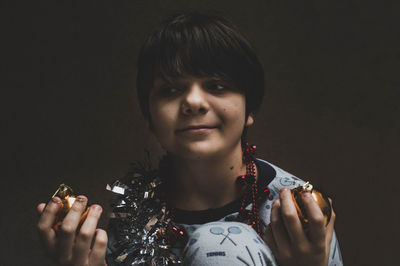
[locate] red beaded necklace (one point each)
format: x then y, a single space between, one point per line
251 190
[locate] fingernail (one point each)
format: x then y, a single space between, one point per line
80 199
56 200
284 189
96 208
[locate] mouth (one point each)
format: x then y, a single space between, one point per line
196 129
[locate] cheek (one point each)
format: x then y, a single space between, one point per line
162 117
234 112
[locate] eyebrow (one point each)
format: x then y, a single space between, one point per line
185 80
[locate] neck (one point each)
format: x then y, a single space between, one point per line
207 183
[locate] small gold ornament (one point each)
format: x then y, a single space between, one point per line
321 200
66 194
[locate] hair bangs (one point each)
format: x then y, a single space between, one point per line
192 52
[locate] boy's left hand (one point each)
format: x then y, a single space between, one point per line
288 240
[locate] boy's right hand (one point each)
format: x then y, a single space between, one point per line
72 245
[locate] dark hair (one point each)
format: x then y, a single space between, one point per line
200 45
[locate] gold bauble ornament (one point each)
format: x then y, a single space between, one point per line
321 200
66 194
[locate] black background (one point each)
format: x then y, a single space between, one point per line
330 114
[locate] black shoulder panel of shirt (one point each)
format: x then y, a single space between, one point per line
266 173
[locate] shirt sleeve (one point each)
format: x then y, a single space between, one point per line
112 242
335 256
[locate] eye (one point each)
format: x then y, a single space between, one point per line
169 90
217 87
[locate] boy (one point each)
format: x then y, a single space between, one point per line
199 85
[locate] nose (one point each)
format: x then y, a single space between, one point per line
195 100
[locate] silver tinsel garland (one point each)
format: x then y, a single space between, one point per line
144 227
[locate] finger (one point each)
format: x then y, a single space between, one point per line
280 235
86 234
40 208
316 219
269 239
45 224
98 253
48 212
291 218
69 227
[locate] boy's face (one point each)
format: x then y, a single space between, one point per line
197 117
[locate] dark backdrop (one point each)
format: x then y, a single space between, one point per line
330 114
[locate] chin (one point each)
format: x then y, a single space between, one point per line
201 150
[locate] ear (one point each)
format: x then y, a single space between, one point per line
250 120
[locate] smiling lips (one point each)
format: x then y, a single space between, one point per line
196 129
